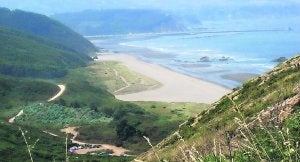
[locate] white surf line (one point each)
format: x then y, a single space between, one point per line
12 120
61 91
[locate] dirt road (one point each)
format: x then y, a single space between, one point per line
62 89
117 151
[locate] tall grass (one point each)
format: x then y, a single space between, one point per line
29 147
266 142
259 140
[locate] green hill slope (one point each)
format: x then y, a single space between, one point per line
24 55
44 147
17 92
257 122
12 144
47 28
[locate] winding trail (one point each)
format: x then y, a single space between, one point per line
123 79
12 120
62 89
52 134
117 151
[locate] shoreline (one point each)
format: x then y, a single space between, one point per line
239 77
190 75
176 87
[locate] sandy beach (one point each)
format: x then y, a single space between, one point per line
175 87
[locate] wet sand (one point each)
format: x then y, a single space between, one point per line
239 77
176 87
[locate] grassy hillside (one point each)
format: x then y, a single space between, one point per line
59 116
256 122
85 90
86 103
13 147
18 92
46 28
100 117
24 55
118 79
44 147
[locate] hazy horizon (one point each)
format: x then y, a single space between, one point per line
257 24
50 7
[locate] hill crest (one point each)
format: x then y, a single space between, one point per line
260 102
47 28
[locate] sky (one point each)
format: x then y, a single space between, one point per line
49 7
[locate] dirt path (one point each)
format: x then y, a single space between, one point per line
12 120
71 130
117 151
52 134
62 89
123 79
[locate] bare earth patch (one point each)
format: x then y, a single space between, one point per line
117 151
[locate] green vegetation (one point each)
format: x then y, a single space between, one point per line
45 114
219 128
274 144
280 143
118 79
86 102
172 112
100 118
18 92
44 147
24 55
103 119
49 29
265 93
31 53
83 92
86 88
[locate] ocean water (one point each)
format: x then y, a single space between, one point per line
225 57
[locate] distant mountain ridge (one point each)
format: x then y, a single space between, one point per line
120 21
46 28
